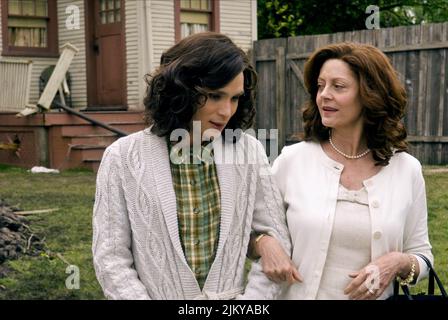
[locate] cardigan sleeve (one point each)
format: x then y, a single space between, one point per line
416 228
269 217
112 255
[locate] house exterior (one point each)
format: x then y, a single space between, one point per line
119 42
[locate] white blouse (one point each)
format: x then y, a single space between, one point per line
309 184
349 248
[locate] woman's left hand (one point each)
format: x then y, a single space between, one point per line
276 264
370 282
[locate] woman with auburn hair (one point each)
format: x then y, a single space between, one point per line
355 199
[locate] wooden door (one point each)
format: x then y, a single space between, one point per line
107 90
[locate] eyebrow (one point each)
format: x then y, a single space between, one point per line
337 78
225 93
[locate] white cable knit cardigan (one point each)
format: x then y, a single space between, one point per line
137 252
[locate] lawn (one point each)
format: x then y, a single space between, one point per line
68 232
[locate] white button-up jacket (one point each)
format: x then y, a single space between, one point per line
308 180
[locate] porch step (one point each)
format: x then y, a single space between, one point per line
92 164
128 127
88 148
62 141
86 156
62 118
85 143
92 139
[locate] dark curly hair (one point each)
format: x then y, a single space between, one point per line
188 71
382 96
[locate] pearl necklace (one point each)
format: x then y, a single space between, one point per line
356 156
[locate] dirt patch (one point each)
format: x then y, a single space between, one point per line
16 237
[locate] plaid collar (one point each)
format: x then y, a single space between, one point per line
205 154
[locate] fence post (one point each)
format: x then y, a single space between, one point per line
280 68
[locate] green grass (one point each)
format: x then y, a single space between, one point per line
69 231
437 198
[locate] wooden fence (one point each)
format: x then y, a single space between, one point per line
418 53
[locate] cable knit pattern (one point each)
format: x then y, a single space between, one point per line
136 247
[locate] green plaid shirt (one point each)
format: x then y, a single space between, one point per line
198 211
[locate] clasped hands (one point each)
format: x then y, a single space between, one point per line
369 283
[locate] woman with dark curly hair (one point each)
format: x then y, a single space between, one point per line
180 229
189 75
355 200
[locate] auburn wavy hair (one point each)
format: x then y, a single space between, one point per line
188 71
382 96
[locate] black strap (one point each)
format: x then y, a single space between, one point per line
433 276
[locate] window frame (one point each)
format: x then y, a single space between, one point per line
52 35
214 17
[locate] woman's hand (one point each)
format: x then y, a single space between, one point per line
276 264
370 282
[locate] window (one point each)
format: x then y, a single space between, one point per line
193 16
29 27
110 11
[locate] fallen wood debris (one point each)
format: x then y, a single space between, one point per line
26 213
16 238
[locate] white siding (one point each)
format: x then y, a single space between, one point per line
132 54
236 21
149 31
145 58
162 27
154 22
77 68
1 29
39 64
77 37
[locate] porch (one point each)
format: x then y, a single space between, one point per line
61 141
